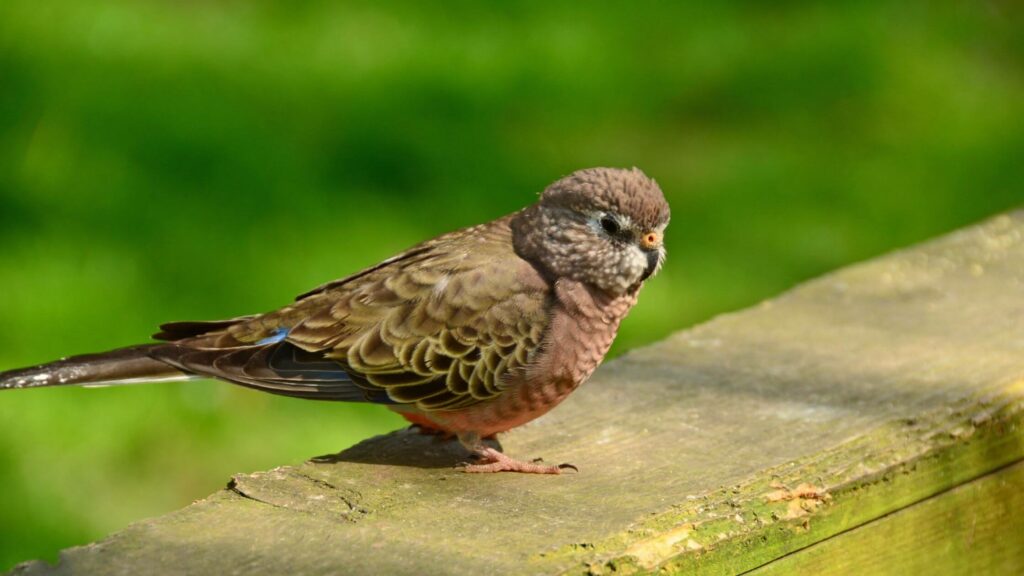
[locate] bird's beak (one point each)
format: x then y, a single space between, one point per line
651 244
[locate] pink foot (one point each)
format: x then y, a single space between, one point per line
494 461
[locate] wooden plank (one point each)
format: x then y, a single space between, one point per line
976 528
718 450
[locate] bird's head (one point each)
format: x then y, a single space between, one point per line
601 226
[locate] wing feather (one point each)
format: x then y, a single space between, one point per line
442 326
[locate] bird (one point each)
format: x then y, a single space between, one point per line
469 335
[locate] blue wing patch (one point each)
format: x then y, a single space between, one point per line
278 335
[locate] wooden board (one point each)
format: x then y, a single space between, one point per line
975 528
719 450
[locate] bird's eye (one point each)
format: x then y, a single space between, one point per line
610 225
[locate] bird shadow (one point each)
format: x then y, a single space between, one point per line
408 447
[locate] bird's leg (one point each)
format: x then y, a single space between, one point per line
491 460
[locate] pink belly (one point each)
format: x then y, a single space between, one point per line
511 409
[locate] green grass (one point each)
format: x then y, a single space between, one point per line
164 160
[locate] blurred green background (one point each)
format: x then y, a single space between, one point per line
168 160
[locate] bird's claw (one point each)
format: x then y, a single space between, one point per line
563 465
490 460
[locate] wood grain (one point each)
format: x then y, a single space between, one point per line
976 528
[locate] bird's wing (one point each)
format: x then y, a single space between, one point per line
439 326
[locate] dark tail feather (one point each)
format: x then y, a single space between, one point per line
122 366
181 330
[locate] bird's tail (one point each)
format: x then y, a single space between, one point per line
130 365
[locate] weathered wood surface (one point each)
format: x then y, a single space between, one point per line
975 528
722 449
